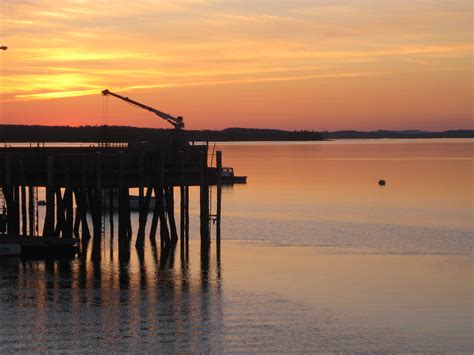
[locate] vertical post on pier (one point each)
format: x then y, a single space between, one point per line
182 209
24 222
16 210
186 199
219 198
59 213
68 206
69 218
122 227
31 210
160 200
77 218
204 199
111 213
129 216
96 209
86 235
141 204
8 193
48 229
181 199
169 197
154 220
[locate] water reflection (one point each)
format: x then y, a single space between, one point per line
142 300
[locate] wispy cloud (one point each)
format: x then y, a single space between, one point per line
74 48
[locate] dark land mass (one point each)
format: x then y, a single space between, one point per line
398 134
22 133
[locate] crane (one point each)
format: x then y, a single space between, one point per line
177 122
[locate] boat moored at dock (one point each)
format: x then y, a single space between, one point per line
37 246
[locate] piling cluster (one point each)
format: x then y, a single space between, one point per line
82 183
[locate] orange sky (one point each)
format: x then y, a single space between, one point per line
291 64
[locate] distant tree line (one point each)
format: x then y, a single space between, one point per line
397 134
23 133
20 133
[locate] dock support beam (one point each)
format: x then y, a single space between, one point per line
169 197
48 229
219 198
82 204
204 200
182 217
24 223
143 217
31 210
156 216
186 199
69 217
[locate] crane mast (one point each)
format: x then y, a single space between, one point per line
177 122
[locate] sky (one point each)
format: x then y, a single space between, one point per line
287 64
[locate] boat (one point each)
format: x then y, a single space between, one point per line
228 176
37 246
10 249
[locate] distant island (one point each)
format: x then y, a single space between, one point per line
24 133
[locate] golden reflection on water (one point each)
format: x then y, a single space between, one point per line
428 182
165 295
152 291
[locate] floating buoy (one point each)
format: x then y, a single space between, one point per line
382 182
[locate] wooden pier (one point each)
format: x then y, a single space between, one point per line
85 181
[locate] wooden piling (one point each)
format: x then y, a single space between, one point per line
111 214
48 228
16 210
96 205
154 221
24 225
68 201
128 215
164 231
85 232
143 216
77 218
141 201
31 210
69 213
122 203
8 193
204 200
186 211
59 213
219 198
160 200
169 200
182 217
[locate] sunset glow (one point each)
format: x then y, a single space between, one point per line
290 64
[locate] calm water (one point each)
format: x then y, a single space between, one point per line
315 256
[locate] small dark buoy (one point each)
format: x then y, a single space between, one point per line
382 182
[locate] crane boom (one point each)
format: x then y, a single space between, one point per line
177 122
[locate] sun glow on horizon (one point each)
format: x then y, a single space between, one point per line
286 64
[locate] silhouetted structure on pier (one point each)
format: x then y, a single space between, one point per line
82 181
